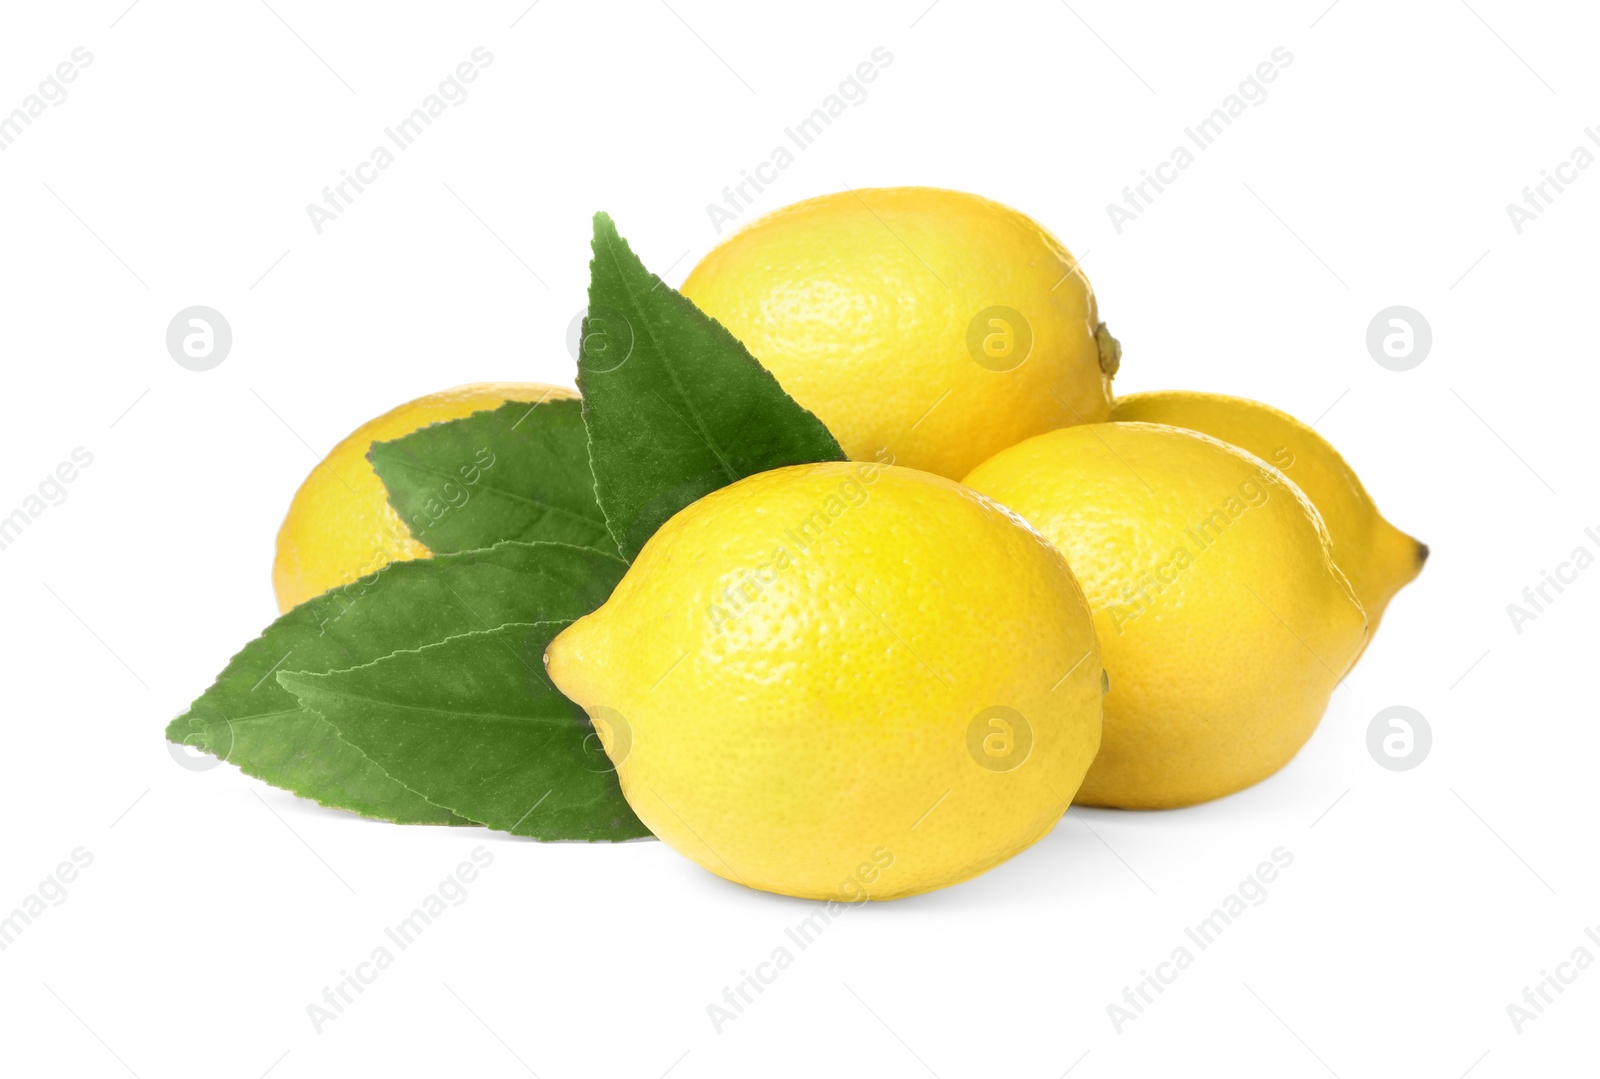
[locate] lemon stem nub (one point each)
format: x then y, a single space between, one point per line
1110 350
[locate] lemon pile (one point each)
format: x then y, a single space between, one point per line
873 678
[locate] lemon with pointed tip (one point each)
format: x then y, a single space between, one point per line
936 325
1377 557
340 526
1223 622
842 681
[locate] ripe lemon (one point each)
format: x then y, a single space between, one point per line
340 526
1223 621
842 681
935 325
1377 557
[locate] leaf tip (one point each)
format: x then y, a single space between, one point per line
177 729
294 681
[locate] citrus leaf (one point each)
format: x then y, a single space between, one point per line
248 719
517 472
676 407
473 723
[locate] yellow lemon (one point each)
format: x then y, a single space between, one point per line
842 681
340 526
1377 557
1223 621
935 325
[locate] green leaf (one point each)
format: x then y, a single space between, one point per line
517 472
475 724
676 407
248 719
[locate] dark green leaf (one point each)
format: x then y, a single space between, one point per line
474 723
248 719
676 407
517 472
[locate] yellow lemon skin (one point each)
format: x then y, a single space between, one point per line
1377 557
936 325
340 526
1223 622
842 681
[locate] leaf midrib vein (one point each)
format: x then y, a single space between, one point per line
438 710
512 495
655 343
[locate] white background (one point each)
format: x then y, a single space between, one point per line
1418 905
